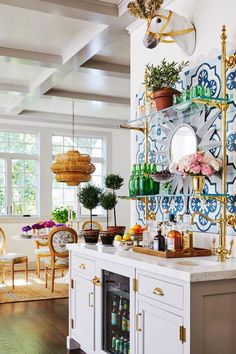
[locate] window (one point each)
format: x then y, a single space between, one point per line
18 173
64 195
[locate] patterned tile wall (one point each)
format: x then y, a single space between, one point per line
209 75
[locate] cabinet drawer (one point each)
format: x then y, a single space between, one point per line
82 265
167 293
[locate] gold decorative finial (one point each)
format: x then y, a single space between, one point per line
223 34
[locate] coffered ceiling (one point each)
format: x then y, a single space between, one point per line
53 51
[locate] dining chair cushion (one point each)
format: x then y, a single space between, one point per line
42 250
8 257
61 262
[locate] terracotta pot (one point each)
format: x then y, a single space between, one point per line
117 230
198 184
164 97
90 236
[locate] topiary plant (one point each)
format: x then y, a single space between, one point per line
108 201
60 215
114 182
89 197
163 75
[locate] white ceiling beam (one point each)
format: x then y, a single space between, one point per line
88 10
117 28
11 87
30 58
87 97
65 119
106 69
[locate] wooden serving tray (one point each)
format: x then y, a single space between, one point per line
193 252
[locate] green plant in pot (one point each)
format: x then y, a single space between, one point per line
89 197
60 215
161 80
115 182
107 201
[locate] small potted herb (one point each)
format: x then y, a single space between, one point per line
107 201
89 197
60 215
161 80
115 182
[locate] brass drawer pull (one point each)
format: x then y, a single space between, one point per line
158 291
90 304
138 329
82 266
96 281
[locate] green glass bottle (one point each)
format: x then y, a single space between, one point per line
151 182
136 179
144 182
156 185
131 181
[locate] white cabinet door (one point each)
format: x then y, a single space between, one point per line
84 326
158 331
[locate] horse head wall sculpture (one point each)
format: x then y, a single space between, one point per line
163 24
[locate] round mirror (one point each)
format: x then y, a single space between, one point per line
184 142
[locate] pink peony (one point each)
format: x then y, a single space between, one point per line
195 169
207 170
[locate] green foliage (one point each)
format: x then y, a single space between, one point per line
108 200
89 196
60 215
166 74
113 181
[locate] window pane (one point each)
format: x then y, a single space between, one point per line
16 137
3 147
24 191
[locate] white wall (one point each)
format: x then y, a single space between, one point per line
208 18
118 162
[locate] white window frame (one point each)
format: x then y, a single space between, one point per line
44 158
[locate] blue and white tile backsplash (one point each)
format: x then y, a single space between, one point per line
209 75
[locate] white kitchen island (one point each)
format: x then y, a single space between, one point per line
176 306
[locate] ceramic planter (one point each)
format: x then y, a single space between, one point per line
164 97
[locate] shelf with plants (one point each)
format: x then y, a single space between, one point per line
191 195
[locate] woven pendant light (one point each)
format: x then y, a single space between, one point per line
73 167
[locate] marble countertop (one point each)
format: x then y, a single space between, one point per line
191 269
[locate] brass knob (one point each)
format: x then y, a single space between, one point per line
82 266
158 291
96 281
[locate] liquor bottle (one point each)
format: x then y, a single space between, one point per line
117 345
121 346
136 180
144 182
119 313
126 346
156 185
114 314
131 181
159 242
174 237
125 317
113 342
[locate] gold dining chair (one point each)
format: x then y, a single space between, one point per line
41 251
95 224
9 260
59 255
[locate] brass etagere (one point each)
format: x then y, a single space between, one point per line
223 105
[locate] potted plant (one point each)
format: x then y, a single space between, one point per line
161 80
60 215
89 197
115 182
198 165
107 201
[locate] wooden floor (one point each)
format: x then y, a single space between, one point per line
37 327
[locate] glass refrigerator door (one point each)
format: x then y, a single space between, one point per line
116 313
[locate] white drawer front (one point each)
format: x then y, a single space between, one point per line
167 293
82 266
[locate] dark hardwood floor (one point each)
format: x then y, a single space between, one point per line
36 327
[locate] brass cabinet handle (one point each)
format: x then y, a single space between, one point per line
158 291
96 281
90 304
82 266
138 329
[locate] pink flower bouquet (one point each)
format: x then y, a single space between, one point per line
197 164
